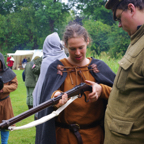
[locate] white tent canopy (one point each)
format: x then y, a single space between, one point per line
37 53
19 55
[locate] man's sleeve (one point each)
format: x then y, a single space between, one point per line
36 66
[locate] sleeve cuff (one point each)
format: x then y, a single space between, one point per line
105 91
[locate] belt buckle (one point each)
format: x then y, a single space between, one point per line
78 126
74 127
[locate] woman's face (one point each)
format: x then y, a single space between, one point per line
77 50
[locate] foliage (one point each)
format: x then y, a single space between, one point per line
111 62
94 9
111 39
99 34
26 23
61 28
102 28
118 41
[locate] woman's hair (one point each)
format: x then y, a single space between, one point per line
137 3
75 30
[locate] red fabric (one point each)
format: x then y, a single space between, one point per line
9 62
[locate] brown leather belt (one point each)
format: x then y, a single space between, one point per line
75 128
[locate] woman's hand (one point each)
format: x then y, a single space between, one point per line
61 101
96 91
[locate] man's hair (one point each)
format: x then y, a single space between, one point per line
137 3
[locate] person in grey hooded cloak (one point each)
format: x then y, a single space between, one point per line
52 50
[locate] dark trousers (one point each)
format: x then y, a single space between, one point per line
29 106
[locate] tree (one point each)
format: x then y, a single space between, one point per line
26 23
94 9
118 41
99 34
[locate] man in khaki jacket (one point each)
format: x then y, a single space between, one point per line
124 119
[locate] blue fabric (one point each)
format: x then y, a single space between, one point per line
4 136
23 76
24 61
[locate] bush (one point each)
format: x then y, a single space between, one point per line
99 33
118 41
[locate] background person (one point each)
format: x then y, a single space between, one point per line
10 62
10 84
63 75
31 74
28 59
24 62
124 119
36 66
52 50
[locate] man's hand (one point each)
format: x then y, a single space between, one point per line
61 101
96 91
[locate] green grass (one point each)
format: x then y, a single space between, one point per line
111 62
18 98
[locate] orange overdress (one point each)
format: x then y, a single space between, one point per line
80 112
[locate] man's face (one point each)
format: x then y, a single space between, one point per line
125 19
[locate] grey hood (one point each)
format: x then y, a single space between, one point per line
52 45
7 74
51 52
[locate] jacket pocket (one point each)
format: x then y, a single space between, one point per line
123 72
121 127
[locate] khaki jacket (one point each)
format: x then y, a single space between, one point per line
30 79
124 121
